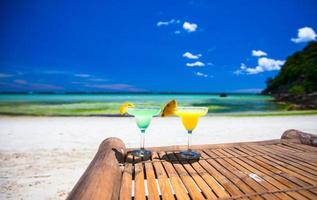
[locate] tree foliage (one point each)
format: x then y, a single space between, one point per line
298 75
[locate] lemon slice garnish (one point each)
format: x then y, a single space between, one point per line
169 108
124 106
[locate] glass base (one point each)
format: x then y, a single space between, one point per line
142 153
188 154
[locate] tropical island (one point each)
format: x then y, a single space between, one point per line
296 83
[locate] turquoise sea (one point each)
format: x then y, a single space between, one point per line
107 104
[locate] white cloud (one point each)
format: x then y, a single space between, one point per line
83 75
269 64
177 32
195 64
191 56
264 64
166 23
305 34
3 75
190 27
201 74
258 53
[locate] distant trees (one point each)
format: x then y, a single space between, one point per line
298 75
297 80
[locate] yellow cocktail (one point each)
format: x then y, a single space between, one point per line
190 117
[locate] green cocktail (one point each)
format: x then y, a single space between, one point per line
143 118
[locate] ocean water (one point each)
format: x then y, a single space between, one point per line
108 103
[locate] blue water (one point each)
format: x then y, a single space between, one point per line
231 103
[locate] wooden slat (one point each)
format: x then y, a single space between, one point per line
301 146
305 176
289 156
299 156
186 179
281 148
270 180
289 148
207 191
298 160
178 186
244 175
293 181
126 184
153 193
162 177
276 174
223 170
289 161
139 187
211 181
268 173
226 183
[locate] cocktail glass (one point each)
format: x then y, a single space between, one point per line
190 116
143 118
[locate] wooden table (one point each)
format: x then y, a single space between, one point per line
275 169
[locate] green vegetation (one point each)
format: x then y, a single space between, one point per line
298 75
297 90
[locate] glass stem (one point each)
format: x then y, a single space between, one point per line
189 141
142 138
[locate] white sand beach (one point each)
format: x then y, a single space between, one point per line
43 157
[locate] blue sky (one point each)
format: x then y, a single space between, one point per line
154 46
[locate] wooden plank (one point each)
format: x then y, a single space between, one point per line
153 193
290 156
139 187
282 145
281 148
226 183
211 181
274 174
246 189
162 177
314 191
301 146
290 181
305 176
126 184
289 161
283 178
244 175
270 180
185 177
178 186
200 182
305 163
